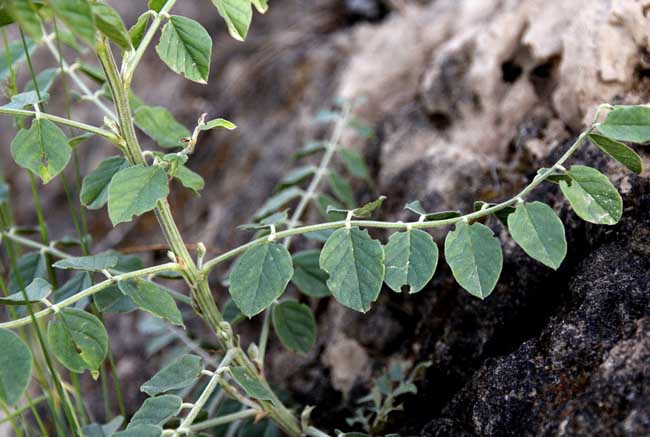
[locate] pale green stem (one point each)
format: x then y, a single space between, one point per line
315 432
223 420
90 291
63 121
209 265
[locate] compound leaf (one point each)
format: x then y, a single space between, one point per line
539 232
152 299
627 123
260 276
619 152
180 373
475 257
295 325
186 47
134 191
592 196
355 263
78 340
411 260
15 367
43 149
94 188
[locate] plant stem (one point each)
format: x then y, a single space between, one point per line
222 420
211 264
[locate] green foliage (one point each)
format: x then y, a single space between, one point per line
411 259
618 151
134 191
38 290
77 15
92 263
308 277
180 373
160 125
153 299
24 13
592 196
15 367
186 47
627 123
94 189
237 15
251 386
156 411
295 325
142 430
110 24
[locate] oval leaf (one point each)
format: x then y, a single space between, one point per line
355 263
43 149
142 430
153 299
619 152
159 124
134 191
156 411
94 188
110 24
78 17
93 263
411 260
180 373
237 14
78 340
186 47
260 276
475 257
539 232
15 367
253 387
308 277
627 123
592 196
295 325
38 290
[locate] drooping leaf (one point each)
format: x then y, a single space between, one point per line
78 340
94 188
180 373
93 263
251 386
38 290
153 299
17 55
77 16
159 124
186 47
218 123
137 31
475 257
411 260
308 277
627 123
237 14
277 201
341 189
156 411
354 163
540 232
29 267
44 80
295 325
592 196
142 430
110 24
619 152
15 367
416 207
43 149
355 263
189 179
24 12
134 191
260 276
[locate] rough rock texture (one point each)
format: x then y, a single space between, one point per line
468 99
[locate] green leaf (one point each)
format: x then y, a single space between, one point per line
153 299
416 207
295 325
93 263
619 152
366 210
43 149
160 125
309 149
94 188
180 373
502 214
592 196
106 430
15 367
141 431
237 14
24 12
260 276
261 5
78 282
253 387
156 411
78 16
44 80
134 191
189 179
137 31
156 5
17 55
186 47
325 203
30 98
627 123
218 123
297 175
411 260
28 268
78 340
354 163
110 24
38 290
308 277
475 257
112 300
341 189
355 263
276 219
231 313
540 232
277 201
